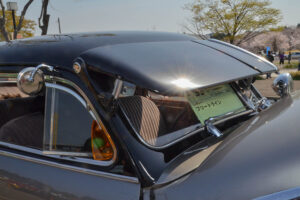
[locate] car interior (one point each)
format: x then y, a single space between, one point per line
157 119
21 120
160 119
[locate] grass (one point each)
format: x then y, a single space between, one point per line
259 78
294 64
295 75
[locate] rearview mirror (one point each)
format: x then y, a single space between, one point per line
283 85
30 80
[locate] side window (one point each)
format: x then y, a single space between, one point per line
71 129
21 117
67 123
57 122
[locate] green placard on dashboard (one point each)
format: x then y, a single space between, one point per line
214 101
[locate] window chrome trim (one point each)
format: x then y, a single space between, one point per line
9 75
67 90
63 166
51 118
72 154
83 99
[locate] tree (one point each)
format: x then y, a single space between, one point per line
293 35
20 20
287 39
238 20
44 18
27 30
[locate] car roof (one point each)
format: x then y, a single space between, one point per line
61 50
153 60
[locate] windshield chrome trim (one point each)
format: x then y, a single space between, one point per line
63 166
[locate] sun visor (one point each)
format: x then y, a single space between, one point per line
168 66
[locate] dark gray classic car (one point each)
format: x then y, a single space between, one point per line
143 115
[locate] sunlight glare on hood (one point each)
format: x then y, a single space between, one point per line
184 83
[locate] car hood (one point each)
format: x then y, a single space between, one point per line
259 158
168 66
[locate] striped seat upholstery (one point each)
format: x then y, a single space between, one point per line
26 130
144 116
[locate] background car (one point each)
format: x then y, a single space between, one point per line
295 55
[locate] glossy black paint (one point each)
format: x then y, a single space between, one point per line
147 164
151 60
259 158
254 61
30 177
61 50
158 65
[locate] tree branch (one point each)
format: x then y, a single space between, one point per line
248 36
198 31
22 17
44 17
2 23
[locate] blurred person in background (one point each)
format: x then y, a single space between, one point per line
281 59
289 57
270 58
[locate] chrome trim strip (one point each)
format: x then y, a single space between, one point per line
63 153
48 67
117 88
67 90
83 99
256 92
242 97
52 111
8 75
63 166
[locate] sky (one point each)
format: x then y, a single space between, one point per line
109 15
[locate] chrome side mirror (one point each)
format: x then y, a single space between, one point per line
30 80
283 85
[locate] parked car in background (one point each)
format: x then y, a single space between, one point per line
295 55
143 115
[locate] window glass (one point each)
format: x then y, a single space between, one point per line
21 117
159 120
68 123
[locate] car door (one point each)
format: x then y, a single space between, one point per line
30 170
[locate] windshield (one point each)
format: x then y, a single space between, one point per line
159 120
